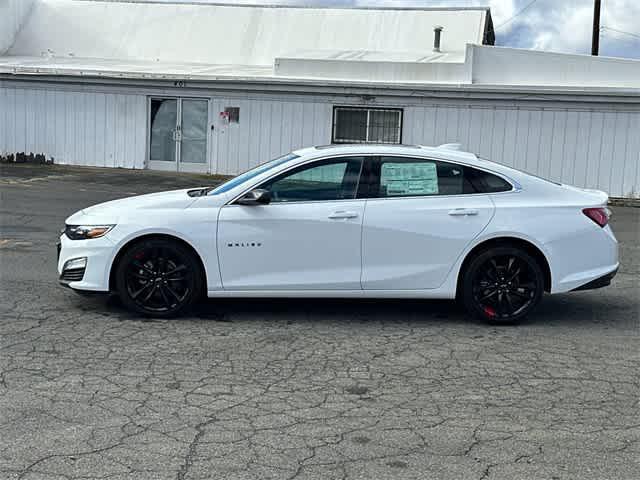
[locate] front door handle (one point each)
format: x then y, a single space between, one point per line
342 215
463 212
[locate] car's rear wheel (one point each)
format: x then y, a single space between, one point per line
158 277
502 285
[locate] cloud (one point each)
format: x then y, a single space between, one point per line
566 26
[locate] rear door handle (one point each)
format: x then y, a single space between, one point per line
463 212
342 215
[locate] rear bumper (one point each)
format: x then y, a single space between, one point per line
585 255
603 281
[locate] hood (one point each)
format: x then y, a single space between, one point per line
110 212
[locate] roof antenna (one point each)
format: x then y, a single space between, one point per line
437 30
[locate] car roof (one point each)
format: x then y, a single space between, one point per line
450 152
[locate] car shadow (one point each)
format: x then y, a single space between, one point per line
576 309
300 309
294 310
583 308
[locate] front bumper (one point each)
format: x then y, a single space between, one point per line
94 277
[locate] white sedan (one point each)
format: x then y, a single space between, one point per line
349 221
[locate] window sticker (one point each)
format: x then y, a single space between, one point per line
409 179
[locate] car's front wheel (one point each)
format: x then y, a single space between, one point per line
158 277
502 285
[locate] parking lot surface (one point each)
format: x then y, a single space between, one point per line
304 389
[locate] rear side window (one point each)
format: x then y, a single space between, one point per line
388 177
485 182
413 177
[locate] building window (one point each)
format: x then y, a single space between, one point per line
367 125
233 114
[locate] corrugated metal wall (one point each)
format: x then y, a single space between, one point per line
593 146
75 128
267 129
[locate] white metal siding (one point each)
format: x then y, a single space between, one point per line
267 129
74 128
591 148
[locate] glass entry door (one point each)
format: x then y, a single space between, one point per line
178 134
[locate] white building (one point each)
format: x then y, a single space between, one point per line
220 88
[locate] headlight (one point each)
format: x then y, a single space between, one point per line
85 232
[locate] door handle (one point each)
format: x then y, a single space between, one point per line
342 215
463 212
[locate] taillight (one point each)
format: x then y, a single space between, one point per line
599 215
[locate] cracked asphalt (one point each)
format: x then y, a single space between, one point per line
305 389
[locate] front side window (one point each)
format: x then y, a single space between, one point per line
335 179
367 125
412 177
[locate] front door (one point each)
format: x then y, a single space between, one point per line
307 238
178 134
420 217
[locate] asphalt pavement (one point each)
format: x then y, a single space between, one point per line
304 389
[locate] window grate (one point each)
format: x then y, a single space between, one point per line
233 114
367 125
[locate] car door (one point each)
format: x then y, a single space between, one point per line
307 238
420 216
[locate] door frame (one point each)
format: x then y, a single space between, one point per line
177 165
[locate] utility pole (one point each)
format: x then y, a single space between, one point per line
595 42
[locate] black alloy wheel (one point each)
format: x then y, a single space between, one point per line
503 285
158 278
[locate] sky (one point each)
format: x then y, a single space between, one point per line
557 25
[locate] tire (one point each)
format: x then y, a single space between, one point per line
159 278
502 285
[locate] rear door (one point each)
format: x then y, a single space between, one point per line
419 217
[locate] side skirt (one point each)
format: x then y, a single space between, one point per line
427 294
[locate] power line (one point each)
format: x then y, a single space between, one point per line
530 4
620 31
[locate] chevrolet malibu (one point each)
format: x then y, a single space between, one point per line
349 221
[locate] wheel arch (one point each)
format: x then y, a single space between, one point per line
149 236
511 241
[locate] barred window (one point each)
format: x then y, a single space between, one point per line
367 125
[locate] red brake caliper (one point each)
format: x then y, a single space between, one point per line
490 311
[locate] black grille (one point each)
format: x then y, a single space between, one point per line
73 275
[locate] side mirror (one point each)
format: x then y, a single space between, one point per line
255 197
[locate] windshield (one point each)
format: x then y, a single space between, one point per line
254 172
